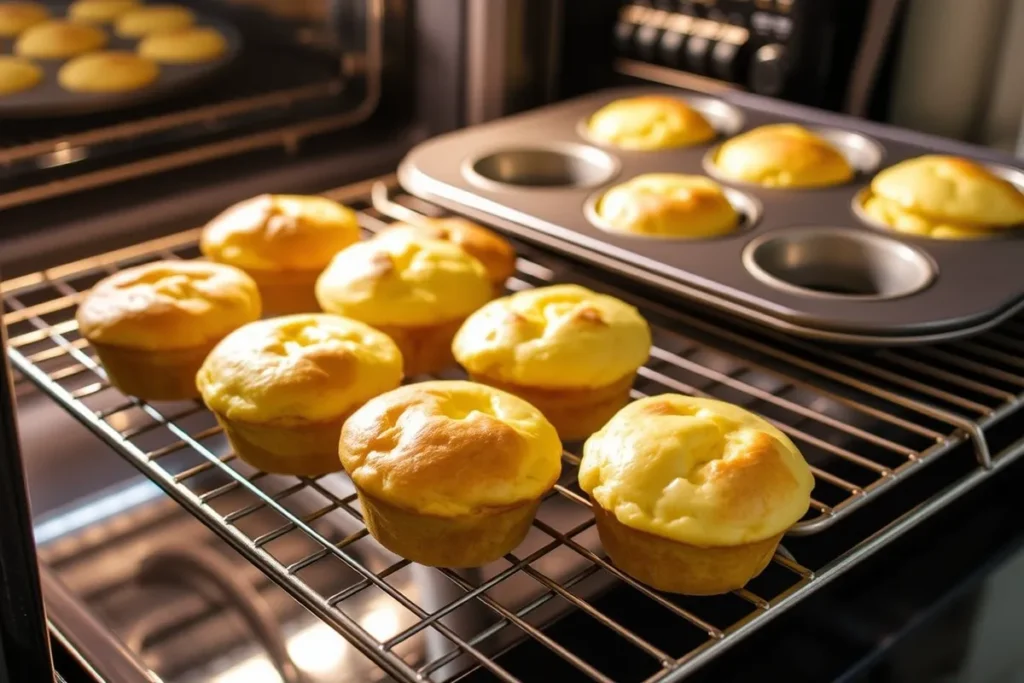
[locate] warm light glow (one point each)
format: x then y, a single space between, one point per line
256 670
317 649
382 621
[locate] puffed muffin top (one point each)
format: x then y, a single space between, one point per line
946 189
168 305
191 45
486 246
563 336
274 232
307 367
450 448
668 205
15 17
649 122
59 39
403 280
893 215
107 71
782 155
17 75
100 11
697 471
148 19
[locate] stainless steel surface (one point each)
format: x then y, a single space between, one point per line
50 99
747 206
864 421
541 166
838 263
711 271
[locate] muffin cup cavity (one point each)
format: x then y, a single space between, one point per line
838 263
864 154
726 119
539 167
306 449
427 349
747 206
457 542
151 375
575 413
675 567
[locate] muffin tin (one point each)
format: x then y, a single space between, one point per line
804 261
48 99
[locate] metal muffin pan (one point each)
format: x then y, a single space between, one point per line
804 262
50 100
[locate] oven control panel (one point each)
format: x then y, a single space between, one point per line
779 48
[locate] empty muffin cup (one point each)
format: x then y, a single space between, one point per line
554 166
838 263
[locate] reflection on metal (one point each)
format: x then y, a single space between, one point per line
865 421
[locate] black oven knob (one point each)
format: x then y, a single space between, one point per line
672 47
698 48
730 55
624 31
646 41
769 69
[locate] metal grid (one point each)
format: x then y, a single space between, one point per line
864 420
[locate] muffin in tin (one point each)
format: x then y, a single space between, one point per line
944 197
649 122
193 45
450 473
18 74
107 71
569 351
782 155
416 290
693 495
100 11
282 388
16 16
149 19
152 325
670 205
284 242
57 39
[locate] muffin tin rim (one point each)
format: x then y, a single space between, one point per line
611 166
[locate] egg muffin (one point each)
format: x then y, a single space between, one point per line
15 17
450 474
99 11
495 252
283 387
193 45
649 122
152 325
107 72
416 290
693 495
149 19
59 40
944 197
569 351
782 155
284 242
18 75
670 205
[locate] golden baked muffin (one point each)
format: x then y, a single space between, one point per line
152 325
782 155
944 197
59 40
486 246
192 45
416 290
668 205
649 122
107 72
15 17
569 351
18 75
284 242
450 474
149 19
693 495
283 387
99 11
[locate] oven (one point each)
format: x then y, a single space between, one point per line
137 547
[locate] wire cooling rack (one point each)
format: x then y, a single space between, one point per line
864 420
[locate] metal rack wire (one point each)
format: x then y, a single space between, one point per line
865 420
